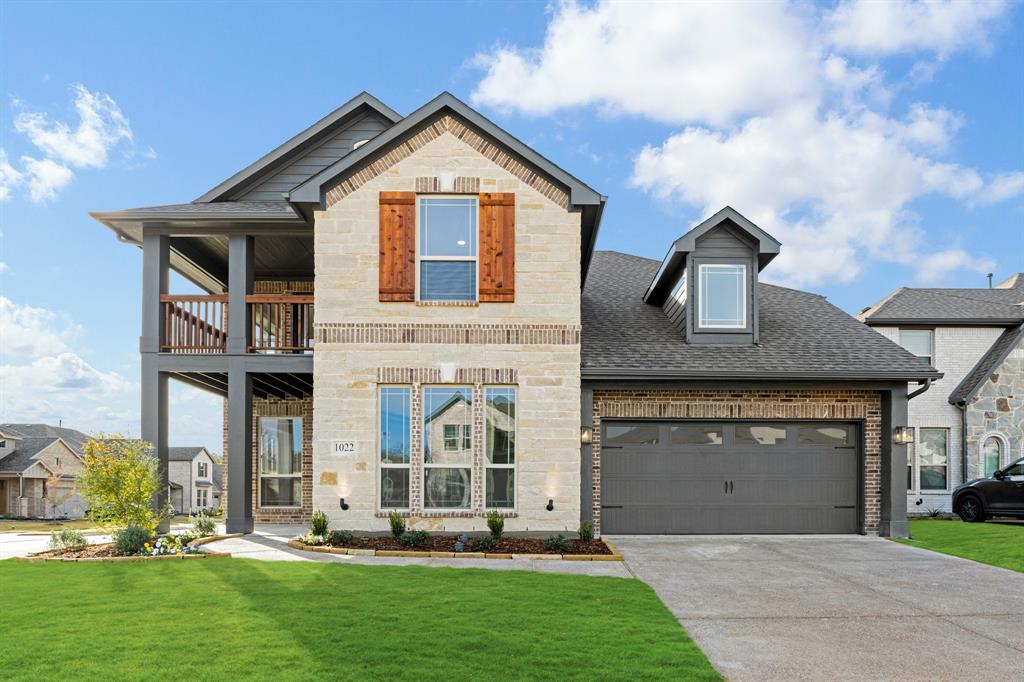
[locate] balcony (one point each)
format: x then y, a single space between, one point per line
199 324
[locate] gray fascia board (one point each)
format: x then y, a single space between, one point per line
311 191
1000 359
596 373
945 322
363 99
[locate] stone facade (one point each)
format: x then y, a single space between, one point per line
531 343
998 410
860 406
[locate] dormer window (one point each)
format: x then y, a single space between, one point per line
722 301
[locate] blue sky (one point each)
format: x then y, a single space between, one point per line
881 143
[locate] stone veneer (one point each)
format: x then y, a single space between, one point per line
860 406
998 410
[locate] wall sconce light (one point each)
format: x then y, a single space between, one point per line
900 435
551 505
586 435
344 505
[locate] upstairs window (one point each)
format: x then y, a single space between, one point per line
202 473
919 342
447 248
722 296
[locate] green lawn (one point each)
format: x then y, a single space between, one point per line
40 526
998 544
231 618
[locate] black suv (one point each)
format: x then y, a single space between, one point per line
1000 495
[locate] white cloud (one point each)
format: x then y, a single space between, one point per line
775 120
101 128
4 267
934 268
32 332
939 26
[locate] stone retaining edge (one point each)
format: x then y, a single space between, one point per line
614 556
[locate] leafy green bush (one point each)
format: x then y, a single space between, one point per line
496 523
483 543
340 538
559 543
67 538
318 523
131 540
414 538
586 531
203 525
397 524
118 483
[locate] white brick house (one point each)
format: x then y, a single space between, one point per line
972 419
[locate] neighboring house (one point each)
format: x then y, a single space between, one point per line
471 352
194 478
38 465
975 337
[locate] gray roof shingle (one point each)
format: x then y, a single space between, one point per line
75 439
184 454
24 456
998 305
988 364
802 335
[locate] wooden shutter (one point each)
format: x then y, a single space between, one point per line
397 246
497 248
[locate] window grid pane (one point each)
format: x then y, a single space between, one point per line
395 434
280 462
500 447
447 410
932 469
723 296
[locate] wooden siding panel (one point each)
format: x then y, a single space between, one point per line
497 247
397 277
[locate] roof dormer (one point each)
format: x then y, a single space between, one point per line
708 280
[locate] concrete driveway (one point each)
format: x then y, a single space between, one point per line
830 608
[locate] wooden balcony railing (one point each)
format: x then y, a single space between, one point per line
281 323
194 324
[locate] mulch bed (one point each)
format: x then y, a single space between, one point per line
89 552
507 545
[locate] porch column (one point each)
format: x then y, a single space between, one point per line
154 425
240 281
155 268
240 469
893 522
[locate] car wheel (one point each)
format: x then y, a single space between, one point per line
971 509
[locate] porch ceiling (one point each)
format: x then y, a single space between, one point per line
264 384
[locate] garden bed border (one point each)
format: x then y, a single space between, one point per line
323 549
198 542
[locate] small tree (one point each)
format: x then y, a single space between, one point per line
120 481
56 494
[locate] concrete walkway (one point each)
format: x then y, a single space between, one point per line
836 608
269 543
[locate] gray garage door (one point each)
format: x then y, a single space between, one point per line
727 477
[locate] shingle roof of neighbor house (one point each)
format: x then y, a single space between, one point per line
24 456
802 335
75 439
184 454
1001 305
988 364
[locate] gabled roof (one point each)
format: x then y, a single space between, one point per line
184 454
24 457
73 438
664 280
1000 306
802 336
987 365
312 134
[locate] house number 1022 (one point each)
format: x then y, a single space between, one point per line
345 448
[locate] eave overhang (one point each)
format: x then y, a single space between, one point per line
619 374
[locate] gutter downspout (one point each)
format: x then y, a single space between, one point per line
927 385
963 441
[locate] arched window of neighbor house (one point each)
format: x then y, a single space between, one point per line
991 453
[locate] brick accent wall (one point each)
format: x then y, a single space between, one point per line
861 406
430 132
383 332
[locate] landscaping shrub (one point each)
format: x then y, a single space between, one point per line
118 483
318 523
397 524
67 538
934 512
414 538
496 523
483 543
559 543
586 531
340 537
203 525
460 543
131 539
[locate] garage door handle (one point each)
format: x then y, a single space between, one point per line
732 487
611 506
845 506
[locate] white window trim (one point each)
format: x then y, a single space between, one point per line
423 454
1004 450
931 343
700 295
515 462
202 470
475 259
259 465
381 464
917 462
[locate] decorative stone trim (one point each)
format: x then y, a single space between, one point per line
121 559
431 131
447 304
819 405
432 375
405 333
466 514
432 185
614 556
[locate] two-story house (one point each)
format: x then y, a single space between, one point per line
38 466
194 478
470 351
972 421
